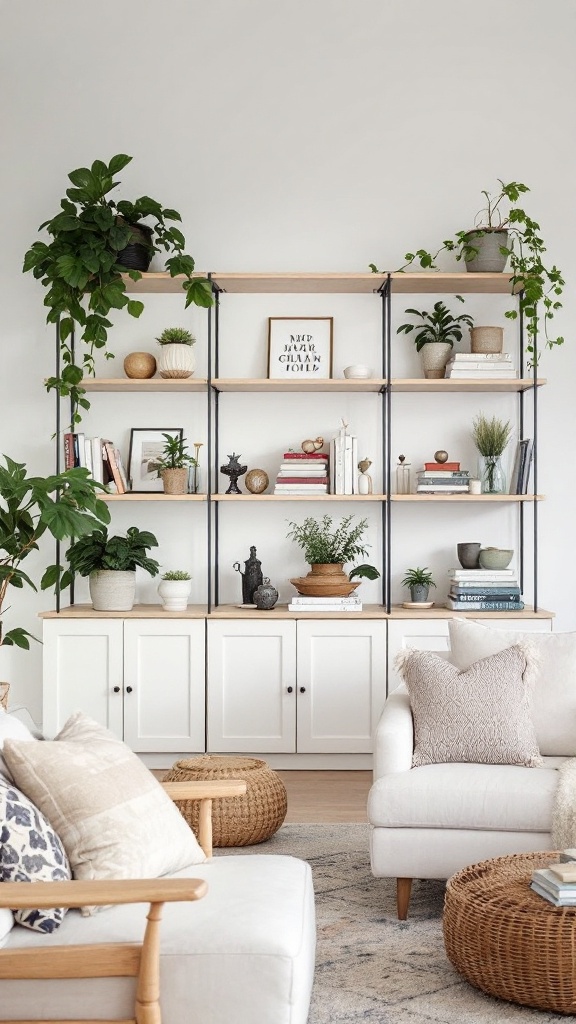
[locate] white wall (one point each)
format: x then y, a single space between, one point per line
318 135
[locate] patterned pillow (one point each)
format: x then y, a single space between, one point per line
482 715
30 851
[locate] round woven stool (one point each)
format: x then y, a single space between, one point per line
240 820
507 940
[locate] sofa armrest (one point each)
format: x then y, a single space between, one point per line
205 792
101 892
394 740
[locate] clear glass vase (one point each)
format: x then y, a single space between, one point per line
492 475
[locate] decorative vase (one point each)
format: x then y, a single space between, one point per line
486 339
176 361
265 596
434 358
140 365
492 475
468 555
112 590
175 481
487 242
174 594
325 580
419 593
137 255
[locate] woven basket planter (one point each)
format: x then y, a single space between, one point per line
241 820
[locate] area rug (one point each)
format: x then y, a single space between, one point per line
370 967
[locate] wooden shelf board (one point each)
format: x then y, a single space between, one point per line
232 611
298 497
467 497
139 611
434 282
439 612
332 385
152 384
157 281
447 385
152 496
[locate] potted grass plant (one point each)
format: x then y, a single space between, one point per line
491 437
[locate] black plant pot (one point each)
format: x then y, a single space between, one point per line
137 255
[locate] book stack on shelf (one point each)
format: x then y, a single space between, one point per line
325 604
484 590
487 365
556 883
442 478
303 473
99 456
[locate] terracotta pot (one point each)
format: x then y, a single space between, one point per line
175 481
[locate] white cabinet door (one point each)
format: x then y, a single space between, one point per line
82 671
164 685
341 683
252 686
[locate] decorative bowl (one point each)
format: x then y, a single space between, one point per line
495 558
357 372
308 586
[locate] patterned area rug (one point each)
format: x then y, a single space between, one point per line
370 967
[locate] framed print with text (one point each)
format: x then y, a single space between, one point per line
300 348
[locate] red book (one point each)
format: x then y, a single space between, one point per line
450 467
68 451
305 455
302 480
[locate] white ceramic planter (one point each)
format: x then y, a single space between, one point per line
176 361
112 590
174 594
435 355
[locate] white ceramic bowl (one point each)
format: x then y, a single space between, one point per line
357 371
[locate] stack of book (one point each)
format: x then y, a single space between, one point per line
497 366
442 478
99 456
556 883
484 590
325 604
303 473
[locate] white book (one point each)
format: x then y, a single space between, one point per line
348 467
482 357
302 472
339 464
442 488
482 374
327 600
347 609
331 465
475 368
305 464
511 581
88 454
97 467
304 489
482 575
355 470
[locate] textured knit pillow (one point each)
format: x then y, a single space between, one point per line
112 815
481 715
30 851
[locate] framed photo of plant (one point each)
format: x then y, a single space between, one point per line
300 348
146 447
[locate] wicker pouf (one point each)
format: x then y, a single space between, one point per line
241 820
507 940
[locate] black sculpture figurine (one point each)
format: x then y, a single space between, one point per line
251 578
233 469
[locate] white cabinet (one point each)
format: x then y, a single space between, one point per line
142 678
306 687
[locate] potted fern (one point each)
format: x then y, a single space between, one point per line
110 564
176 353
174 590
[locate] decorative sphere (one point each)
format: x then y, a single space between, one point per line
256 481
441 455
140 365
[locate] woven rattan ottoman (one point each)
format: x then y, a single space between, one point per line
507 940
242 820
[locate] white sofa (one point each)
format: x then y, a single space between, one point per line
433 820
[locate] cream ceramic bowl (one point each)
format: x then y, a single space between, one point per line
357 371
495 558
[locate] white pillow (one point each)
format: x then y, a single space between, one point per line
113 817
6 925
10 728
554 694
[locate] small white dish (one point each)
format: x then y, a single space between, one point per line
417 604
357 372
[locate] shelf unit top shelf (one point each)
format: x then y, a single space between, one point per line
146 384
333 385
433 282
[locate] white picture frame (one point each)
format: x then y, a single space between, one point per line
300 348
147 443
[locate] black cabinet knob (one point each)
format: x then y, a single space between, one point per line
302 689
116 689
290 688
128 689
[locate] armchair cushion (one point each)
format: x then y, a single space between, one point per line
112 815
30 851
481 715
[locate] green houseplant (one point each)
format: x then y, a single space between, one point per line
491 437
64 505
437 331
173 464
514 237
419 581
174 590
327 549
176 354
111 563
83 263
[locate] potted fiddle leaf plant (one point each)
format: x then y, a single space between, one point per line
95 243
436 333
176 353
173 464
327 548
110 564
63 505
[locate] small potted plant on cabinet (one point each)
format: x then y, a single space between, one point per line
174 590
436 333
173 465
176 353
110 564
419 581
327 550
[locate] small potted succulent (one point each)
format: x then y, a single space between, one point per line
176 353
436 333
419 581
110 564
173 464
174 590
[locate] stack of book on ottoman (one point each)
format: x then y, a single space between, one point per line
556 883
302 473
484 590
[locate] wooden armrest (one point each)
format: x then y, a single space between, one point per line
205 790
22 895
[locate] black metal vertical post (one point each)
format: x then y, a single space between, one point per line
521 356
58 442
72 426
535 458
217 454
387 311
209 459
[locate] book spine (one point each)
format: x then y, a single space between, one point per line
68 450
486 606
473 593
437 474
109 448
97 470
442 466
342 601
324 608
486 595
481 574
301 479
304 455
332 465
339 465
88 454
348 467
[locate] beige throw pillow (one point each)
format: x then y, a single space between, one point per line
112 815
481 715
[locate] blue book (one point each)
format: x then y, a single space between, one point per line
485 606
485 593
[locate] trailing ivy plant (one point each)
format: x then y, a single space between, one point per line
539 285
83 274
